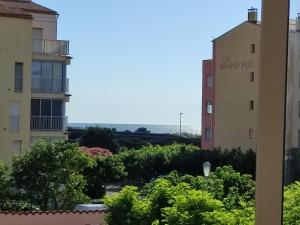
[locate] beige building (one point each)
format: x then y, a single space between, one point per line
236 70
236 57
33 81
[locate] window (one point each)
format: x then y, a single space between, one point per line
37 33
252 77
14 116
209 81
251 133
252 48
208 107
251 105
208 134
18 77
17 147
48 76
47 114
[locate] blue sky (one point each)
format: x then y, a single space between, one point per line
139 61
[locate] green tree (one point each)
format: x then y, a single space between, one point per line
106 169
142 130
100 137
50 175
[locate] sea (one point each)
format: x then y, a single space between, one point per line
157 129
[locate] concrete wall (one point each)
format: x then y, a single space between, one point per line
53 218
233 64
15 46
207 96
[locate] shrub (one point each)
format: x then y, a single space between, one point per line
100 137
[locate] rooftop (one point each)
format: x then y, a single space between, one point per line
22 9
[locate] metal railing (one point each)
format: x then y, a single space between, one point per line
18 84
50 47
50 85
14 123
48 123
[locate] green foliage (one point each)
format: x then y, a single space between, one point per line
152 161
100 137
126 208
188 208
50 175
105 169
291 204
222 198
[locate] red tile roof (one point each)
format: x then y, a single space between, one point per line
13 12
52 212
22 8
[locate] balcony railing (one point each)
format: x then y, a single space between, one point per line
18 84
14 123
48 123
50 47
50 85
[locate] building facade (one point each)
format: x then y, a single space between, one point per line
34 84
235 90
207 104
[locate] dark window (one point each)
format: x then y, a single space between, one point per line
35 107
18 77
208 134
252 77
252 48
45 107
56 108
251 105
209 81
251 133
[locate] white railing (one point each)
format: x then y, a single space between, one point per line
14 123
50 85
50 47
48 123
18 84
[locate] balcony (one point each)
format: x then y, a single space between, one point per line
49 85
50 47
48 123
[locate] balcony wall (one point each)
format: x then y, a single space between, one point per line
48 123
50 47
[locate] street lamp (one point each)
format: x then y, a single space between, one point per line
180 116
206 171
206 168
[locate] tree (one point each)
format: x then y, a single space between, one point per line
142 130
106 169
100 137
50 175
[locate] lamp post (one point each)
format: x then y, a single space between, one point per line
206 171
180 117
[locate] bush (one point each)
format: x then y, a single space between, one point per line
152 161
185 200
100 137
